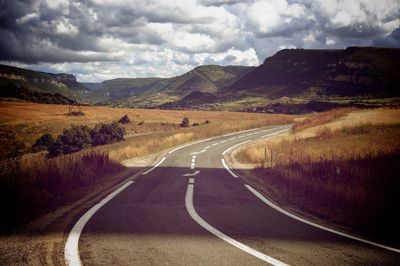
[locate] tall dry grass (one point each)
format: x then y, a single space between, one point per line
151 143
321 118
32 186
349 175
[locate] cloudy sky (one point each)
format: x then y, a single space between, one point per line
104 39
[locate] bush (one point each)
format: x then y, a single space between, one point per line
71 140
76 113
124 120
43 143
195 124
185 122
106 133
141 123
207 122
82 137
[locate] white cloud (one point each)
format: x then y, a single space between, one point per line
65 27
26 18
101 39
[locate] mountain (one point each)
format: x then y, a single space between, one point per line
290 77
150 92
121 88
29 79
355 71
127 92
62 83
12 91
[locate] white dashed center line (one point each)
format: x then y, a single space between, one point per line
193 163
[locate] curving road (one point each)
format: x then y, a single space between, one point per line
190 209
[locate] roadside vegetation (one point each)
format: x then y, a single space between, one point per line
321 118
347 175
86 155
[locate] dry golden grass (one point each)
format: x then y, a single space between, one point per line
38 184
321 118
34 184
28 121
151 143
344 174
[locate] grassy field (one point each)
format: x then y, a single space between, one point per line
344 174
30 120
33 184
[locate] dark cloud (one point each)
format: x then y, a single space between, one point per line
143 35
393 40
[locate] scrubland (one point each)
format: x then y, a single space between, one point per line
347 172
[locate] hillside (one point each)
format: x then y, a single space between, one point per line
41 86
152 92
294 75
354 71
38 81
12 91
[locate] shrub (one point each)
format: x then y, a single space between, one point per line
71 140
124 120
106 133
76 113
185 122
141 123
195 124
43 143
207 122
82 137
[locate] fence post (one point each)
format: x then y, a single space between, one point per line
271 158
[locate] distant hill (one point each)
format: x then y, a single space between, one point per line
355 71
291 76
29 79
63 84
150 92
12 91
121 88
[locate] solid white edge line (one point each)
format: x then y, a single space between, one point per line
215 137
192 212
227 168
154 167
71 250
191 180
234 146
189 144
276 207
272 205
274 133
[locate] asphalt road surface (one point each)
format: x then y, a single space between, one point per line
191 210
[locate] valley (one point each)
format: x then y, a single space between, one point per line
284 83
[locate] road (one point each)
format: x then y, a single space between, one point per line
191 210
